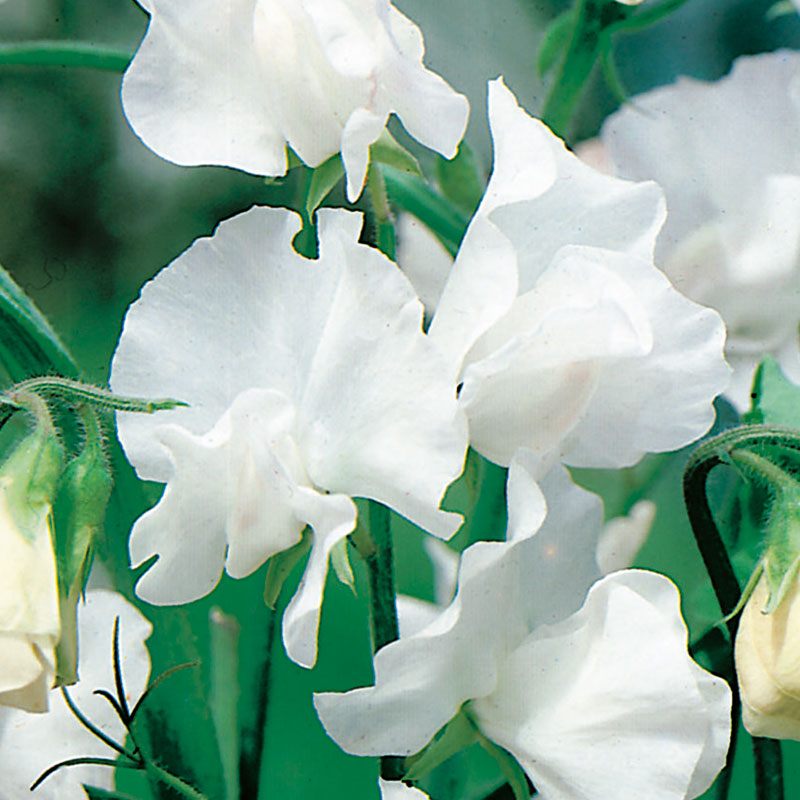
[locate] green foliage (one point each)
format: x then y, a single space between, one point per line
775 400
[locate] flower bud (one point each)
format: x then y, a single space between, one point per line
29 618
767 657
767 649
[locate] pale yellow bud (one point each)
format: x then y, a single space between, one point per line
29 616
767 657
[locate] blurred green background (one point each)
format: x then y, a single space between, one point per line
88 214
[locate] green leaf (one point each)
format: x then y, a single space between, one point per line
323 179
555 40
224 696
775 400
454 737
459 179
386 150
418 198
28 345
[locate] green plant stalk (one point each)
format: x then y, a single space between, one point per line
382 214
418 198
64 54
582 54
726 448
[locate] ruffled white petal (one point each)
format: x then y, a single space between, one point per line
725 153
308 382
195 93
30 743
607 703
563 336
233 83
504 590
623 537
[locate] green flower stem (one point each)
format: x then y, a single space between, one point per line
174 782
709 542
583 52
77 392
252 739
769 769
382 214
374 545
763 468
736 446
65 54
415 196
644 18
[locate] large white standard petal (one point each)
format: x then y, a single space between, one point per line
308 382
563 336
591 689
726 155
234 82
30 743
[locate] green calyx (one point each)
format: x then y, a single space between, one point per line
30 475
780 563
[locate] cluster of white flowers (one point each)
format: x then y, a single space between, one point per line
555 340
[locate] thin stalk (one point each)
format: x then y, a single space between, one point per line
252 743
382 214
375 547
769 769
65 54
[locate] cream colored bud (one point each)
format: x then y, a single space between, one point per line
29 617
767 657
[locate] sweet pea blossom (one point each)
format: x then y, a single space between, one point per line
394 790
233 83
30 743
308 382
586 682
564 337
726 154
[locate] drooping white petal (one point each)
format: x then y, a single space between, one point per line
607 703
30 743
229 500
504 590
234 83
725 153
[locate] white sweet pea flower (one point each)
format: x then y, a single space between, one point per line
30 743
308 382
233 83
565 337
622 537
586 682
726 155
